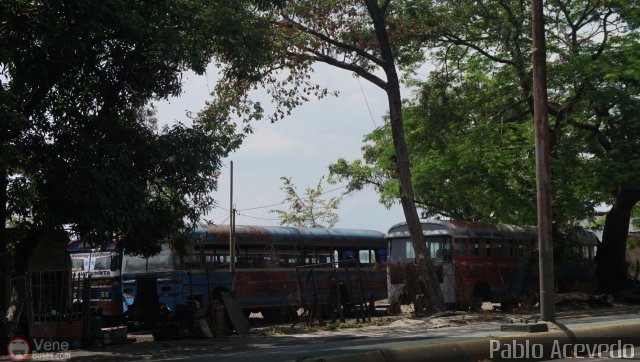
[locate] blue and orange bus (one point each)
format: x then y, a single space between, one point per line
276 269
478 262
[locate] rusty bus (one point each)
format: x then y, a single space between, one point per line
481 262
270 275
99 269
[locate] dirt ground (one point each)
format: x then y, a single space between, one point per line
262 334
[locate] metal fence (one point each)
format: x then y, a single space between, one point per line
13 306
41 297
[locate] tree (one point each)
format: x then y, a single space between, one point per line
593 102
369 38
76 143
308 210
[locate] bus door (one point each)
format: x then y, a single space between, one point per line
146 301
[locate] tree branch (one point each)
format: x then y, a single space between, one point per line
334 42
319 57
459 41
605 37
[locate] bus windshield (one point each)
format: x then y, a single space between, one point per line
438 247
159 262
100 261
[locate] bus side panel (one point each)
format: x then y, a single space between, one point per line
491 280
255 288
176 287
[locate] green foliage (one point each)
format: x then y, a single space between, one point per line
469 128
309 209
79 144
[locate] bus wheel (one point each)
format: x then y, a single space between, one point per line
507 305
481 293
279 314
476 303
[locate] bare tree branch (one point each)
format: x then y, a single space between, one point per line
320 57
334 42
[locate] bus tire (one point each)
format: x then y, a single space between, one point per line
507 305
481 293
279 314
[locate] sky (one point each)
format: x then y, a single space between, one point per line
300 146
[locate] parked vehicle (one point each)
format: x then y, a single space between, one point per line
100 269
276 270
480 262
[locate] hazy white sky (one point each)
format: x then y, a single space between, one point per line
301 146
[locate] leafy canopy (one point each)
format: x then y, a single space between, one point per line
79 143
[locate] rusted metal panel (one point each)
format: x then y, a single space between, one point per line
466 229
276 235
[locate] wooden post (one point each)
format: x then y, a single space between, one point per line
543 183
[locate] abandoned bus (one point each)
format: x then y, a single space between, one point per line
276 269
99 268
479 262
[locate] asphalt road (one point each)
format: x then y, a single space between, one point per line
401 334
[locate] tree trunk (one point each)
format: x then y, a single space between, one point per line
425 265
611 269
4 184
4 258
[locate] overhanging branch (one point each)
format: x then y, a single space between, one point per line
334 42
459 41
315 55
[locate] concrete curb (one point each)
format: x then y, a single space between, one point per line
479 348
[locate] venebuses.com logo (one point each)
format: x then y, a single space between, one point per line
19 349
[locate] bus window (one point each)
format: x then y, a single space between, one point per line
400 250
253 257
435 250
163 261
77 265
461 247
216 256
446 250
410 253
115 262
347 255
102 263
497 248
324 256
287 257
310 257
367 257
487 247
382 255
506 247
316 256
475 247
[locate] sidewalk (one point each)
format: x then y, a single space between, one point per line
562 340
447 338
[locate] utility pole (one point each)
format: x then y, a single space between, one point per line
232 228
543 183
